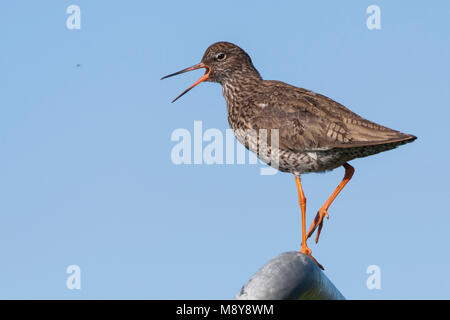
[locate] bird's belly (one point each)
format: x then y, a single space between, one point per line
299 163
304 162
286 160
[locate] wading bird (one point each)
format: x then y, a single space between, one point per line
315 133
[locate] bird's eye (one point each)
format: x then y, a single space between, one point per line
221 56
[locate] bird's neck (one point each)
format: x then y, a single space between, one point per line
236 88
237 91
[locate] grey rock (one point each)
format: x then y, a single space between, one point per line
289 276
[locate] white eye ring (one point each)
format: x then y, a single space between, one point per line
221 56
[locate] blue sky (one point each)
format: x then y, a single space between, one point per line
86 176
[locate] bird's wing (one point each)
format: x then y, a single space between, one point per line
308 121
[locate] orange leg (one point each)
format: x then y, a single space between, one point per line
318 220
301 196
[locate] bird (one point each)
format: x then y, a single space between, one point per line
314 133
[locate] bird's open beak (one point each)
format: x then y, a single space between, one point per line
195 67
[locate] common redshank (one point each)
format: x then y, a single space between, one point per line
315 133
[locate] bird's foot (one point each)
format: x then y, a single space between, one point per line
307 251
318 222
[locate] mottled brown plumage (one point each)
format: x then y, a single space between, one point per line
315 133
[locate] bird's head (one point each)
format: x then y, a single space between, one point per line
223 62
